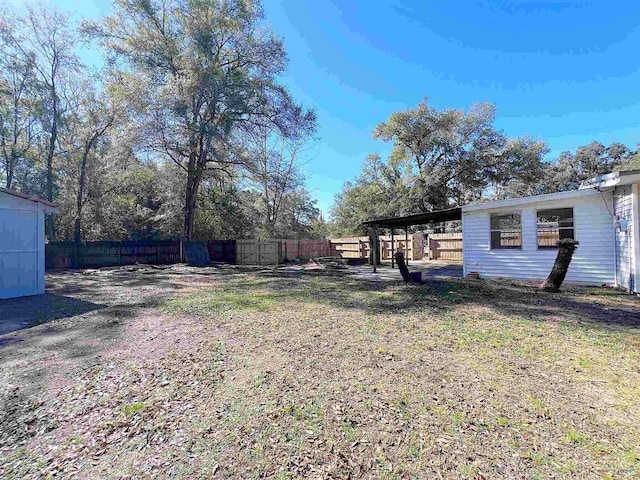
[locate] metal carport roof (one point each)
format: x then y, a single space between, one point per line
417 219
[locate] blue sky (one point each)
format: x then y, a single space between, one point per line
566 71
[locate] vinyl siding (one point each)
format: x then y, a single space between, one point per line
623 208
593 262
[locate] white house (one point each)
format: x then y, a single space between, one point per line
516 238
22 243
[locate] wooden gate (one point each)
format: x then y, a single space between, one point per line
255 252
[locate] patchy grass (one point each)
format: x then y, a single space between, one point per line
321 376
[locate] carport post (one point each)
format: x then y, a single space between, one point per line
392 250
406 244
373 248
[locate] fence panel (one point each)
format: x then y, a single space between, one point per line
255 252
413 250
108 254
305 249
445 246
59 255
350 247
222 250
99 254
358 247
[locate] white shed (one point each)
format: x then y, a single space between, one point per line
22 243
517 238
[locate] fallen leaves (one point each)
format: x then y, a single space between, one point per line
329 383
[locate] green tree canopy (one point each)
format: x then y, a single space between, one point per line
454 155
204 73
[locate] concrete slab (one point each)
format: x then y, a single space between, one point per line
429 269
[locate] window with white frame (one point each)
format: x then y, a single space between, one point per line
554 225
506 230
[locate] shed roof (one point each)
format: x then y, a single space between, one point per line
49 206
417 218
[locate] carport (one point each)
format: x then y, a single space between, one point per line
404 222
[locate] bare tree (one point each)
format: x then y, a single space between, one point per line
18 105
275 171
92 115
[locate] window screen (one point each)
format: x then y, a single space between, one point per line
554 225
506 230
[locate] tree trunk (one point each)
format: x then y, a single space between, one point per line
566 247
50 224
80 196
404 270
189 209
13 158
10 167
194 175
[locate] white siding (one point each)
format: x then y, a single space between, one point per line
623 208
593 262
21 247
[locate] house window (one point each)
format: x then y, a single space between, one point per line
554 225
506 230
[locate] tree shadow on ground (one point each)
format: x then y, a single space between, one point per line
589 307
25 312
68 335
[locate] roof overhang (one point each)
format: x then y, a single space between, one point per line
612 179
47 205
437 216
514 202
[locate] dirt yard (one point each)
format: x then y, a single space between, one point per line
260 373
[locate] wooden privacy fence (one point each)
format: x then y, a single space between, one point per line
413 250
246 252
305 249
222 250
358 247
350 247
107 254
444 246
548 238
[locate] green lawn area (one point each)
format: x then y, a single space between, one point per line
281 375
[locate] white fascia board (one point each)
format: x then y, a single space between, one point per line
611 180
30 199
515 202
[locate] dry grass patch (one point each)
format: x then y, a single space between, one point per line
302 376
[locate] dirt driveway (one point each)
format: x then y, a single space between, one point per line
281 373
